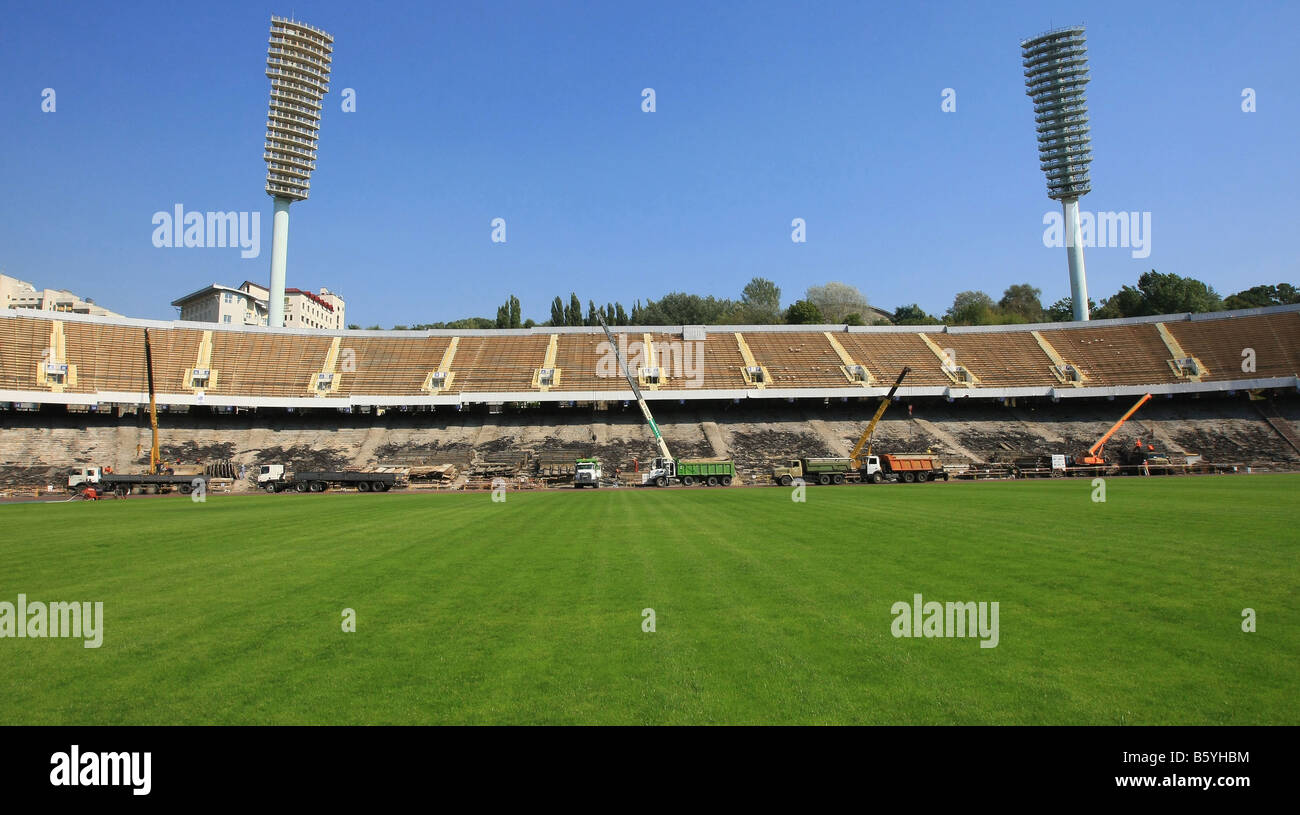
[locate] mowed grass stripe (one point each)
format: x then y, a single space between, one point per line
768 610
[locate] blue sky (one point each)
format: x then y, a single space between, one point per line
531 111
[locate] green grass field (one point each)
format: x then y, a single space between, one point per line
767 610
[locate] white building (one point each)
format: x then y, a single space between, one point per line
15 293
247 305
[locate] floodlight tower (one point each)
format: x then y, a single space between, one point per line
298 65
1056 71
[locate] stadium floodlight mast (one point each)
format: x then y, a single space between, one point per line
1056 71
298 65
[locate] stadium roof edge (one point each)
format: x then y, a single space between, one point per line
649 329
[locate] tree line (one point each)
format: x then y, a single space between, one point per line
840 303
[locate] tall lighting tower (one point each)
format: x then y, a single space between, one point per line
298 65
1056 71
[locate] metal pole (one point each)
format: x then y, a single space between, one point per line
279 258
1074 246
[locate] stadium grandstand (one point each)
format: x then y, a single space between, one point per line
73 389
98 361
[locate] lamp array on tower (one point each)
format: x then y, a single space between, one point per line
1056 71
298 65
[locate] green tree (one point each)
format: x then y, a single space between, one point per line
679 308
1024 300
914 315
557 312
620 316
853 319
515 314
803 312
1259 296
761 299
573 314
1158 293
835 300
1062 311
971 308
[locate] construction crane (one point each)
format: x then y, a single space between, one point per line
1093 458
154 460
636 391
865 439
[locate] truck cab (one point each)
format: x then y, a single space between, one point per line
661 472
786 475
78 476
586 473
270 474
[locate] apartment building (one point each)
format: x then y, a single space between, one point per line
247 305
15 293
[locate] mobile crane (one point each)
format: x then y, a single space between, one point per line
664 469
94 481
865 439
1094 458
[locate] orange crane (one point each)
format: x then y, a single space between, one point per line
1093 458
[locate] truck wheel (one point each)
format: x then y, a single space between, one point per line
839 479
786 480
302 486
713 481
920 478
823 479
122 492
909 478
271 489
726 481
688 481
363 486
877 478
378 486
318 486
185 489
661 481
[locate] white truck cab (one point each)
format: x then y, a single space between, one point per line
270 473
586 473
83 475
660 472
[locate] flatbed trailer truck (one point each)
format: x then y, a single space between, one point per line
82 478
275 478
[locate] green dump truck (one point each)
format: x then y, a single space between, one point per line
690 472
816 471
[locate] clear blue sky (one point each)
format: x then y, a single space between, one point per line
531 111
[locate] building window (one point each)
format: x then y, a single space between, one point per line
225 319
230 298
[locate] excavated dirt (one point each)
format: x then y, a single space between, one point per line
37 448
303 458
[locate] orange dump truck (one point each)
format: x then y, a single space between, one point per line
913 469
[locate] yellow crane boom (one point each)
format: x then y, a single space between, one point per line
865 439
153 406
